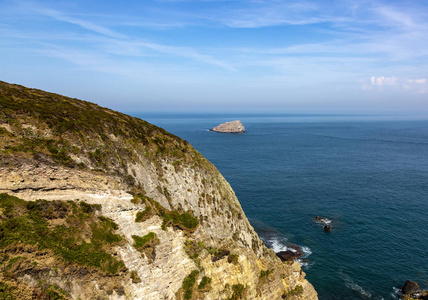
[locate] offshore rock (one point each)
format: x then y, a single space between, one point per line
410 287
230 127
293 252
327 228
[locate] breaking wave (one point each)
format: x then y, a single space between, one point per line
278 243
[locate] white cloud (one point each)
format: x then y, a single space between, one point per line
418 85
382 81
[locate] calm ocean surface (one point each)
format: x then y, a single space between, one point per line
369 175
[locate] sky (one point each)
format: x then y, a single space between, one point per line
222 55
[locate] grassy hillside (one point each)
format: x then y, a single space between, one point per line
80 134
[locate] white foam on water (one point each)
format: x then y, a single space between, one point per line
303 263
354 286
306 251
276 245
396 293
323 221
359 289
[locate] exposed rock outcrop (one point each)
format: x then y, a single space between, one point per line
411 290
230 127
174 221
410 287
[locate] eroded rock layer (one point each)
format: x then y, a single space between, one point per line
175 227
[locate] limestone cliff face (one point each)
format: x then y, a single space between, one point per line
148 182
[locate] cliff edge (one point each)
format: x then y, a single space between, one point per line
95 204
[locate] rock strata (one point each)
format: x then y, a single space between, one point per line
230 127
162 220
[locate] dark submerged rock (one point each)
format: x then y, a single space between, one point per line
327 228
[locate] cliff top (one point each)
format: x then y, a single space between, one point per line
80 134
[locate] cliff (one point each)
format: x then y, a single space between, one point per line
129 211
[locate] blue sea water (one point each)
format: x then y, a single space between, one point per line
368 174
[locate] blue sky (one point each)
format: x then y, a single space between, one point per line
220 55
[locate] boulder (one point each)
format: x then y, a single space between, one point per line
293 252
327 228
410 287
231 127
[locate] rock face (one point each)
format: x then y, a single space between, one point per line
144 200
410 287
231 127
411 290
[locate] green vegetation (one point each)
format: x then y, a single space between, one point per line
298 290
205 280
218 254
146 244
238 291
6 291
86 130
27 223
140 242
193 249
264 273
188 284
135 278
184 221
143 215
233 259
51 292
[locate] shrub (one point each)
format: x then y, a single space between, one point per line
142 215
233 259
264 273
296 291
31 227
188 283
140 242
238 290
205 280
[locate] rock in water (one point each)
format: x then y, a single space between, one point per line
410 287
293 252
327 228
232 127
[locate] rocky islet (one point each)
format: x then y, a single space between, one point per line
230 127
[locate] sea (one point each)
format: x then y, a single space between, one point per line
367 174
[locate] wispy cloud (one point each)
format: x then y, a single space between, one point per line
257 45
135 43
82 23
